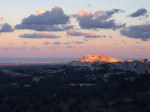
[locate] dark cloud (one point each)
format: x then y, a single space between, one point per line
79 42
40 35
34 48
54 20
124 42
24 42
142 48
70 46
14 48
6 48
46 43
20 48
11 43
101 14
111 36
73 32
138 42
138 32
93 35
97 23
57 43
67 43
54 17
115 43
6 28
139 12
73 42
99 19
89 5
44 27
113 11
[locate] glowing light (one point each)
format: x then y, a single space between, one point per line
41 11
92 34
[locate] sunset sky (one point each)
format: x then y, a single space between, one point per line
74 28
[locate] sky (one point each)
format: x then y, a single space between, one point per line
74 28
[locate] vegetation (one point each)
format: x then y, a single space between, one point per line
69 90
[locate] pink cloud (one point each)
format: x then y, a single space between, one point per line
73 32
84 13
1 18
40 35
145 23
93 35
57 7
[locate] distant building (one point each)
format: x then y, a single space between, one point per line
94 62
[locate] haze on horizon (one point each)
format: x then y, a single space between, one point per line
71 28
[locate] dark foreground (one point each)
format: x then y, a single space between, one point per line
64 89
33 65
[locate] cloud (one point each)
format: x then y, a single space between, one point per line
73 32
41 11
68 43
138 42
45 27
124 42
40 35
101 14
93 35
24 42
73 42
139 12
99 19
46 20
57 43
34 48
78 42
111 36
13 48
6 28
142 48
138 32
46 43
20 48
89 5
11 43
145 23
97 23
113 11
84 14
6 48
70 46
54 17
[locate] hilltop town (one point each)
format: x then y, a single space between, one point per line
89 84
95 62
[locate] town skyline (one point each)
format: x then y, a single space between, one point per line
71 29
